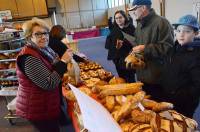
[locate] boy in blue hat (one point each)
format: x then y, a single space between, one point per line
181 81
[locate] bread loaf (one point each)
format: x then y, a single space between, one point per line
119 89
178 123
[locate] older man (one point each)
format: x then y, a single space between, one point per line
154 38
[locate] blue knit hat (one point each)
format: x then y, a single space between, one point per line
188 20
138 3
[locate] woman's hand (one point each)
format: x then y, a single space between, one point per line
119 44
67 56
65 40
138 49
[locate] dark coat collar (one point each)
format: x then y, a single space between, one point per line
187 47
147 18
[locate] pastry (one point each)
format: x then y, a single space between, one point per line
3 66
12 65
117 80
139 116
2 56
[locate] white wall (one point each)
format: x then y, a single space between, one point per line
174 9
111 11
81 13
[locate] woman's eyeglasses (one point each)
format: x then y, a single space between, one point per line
40 34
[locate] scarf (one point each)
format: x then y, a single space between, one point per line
46 52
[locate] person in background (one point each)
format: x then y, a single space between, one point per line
154 38
110 23
181 81
1 28
59 43
40 72
130 18
118 47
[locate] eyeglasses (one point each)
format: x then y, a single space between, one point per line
39 34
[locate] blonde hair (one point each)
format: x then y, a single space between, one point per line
28 26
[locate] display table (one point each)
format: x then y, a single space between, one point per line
85 34
71 113
74 114
121 100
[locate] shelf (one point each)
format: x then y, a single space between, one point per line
8 60
11 40
8 70
11 31
9 88
8 79
10 51
8 92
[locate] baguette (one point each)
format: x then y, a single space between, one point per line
155 106
99 88
110 103
129 105
120 89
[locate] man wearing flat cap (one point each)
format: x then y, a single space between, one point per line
154 38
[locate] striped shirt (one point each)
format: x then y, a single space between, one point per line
37 72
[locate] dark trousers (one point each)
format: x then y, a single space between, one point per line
46 126
185 108
127 74
155 90
184 105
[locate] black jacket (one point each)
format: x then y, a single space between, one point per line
111 40
181 75
59 47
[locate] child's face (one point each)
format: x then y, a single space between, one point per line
185 34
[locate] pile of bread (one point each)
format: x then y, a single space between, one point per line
86 72
90 65
7 65
133 110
